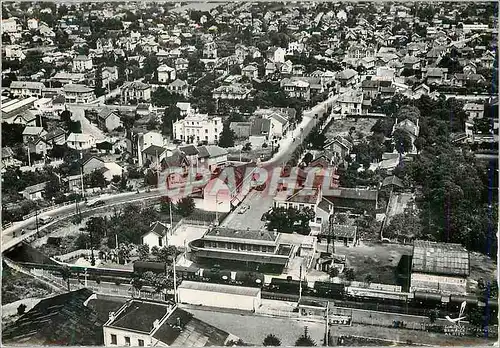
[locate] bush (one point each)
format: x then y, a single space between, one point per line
21 309
98 280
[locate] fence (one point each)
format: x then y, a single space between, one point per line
52 207
7 225
73 255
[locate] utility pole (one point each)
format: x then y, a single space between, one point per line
170 213
216 209
36 220
175 279
300 284
327 328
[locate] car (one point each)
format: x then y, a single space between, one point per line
243 209
45 219
97 203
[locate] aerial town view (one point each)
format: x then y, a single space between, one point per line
249 173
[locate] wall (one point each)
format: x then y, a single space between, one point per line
120 337
216 299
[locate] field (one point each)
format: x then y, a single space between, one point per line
17 286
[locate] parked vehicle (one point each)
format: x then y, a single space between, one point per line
45 219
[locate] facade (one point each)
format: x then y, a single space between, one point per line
109 120
212 157
31 133
157 236
340 147
178 87
82 63
351 103
231 92
80 141
296 88
135 91
34 192
166 74
244 249
198 128
219 295
26 89
79 94
439 267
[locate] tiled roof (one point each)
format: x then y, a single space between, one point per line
392 180
440 258
189 150
159 229
154 150
62 320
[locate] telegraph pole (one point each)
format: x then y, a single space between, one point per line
300 284
327 328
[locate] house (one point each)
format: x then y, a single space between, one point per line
181 64
135 91
191 153
350 103
210 50
259 132
26 89
250 71
178 87
339 147
91 163
80 141
232 248
474 110
82 63
231 92
156 236
39 146
153 155
295 88
185 108
353 199
145 323
276 54
80 94
165 74
436 75
14 52
212 157
370 88
465 80
56 136
269 68
279 119
347 78
8 159
68 320
30 133
9 25
68 77
441 268
109 119
241 129
344 233
199 128
34 192
411 62
307 197
137 140
109 74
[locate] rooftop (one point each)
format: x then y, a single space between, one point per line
242 234
440 258
220 288
140 315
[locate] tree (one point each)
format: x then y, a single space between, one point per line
405 226
185 206
349 274
96 179
333 272
433 315
143 251
53 187
22 308
308 158
368 279
271 340
137 283
66 275
172 114
305 340
402 141
247 147
165 204
227 137
99 90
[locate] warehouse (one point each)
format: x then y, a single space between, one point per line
219 295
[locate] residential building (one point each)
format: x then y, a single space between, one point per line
344 233
351 103
210 50
241 248
340 147
436 75
26 89
154 155
371 88
39 146
198 128
109 119
138 140
348 78
30 133
82 63
135 91
276 54
231 92
181 64
80 141
144 323
442 268
353 199
178 87
165 74
34 192
68 77
56 136
250 71
212 157
307 197
91 163
296 88
79 94
9 25
156 236
474 110
8 159
466 80
14 52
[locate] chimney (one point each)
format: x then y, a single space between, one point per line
156 323
112 316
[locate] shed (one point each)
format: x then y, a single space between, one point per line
219 295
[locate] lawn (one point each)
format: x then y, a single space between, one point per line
342 127
17 286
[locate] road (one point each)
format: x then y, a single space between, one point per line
62 213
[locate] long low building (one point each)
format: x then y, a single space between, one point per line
219 295
241 249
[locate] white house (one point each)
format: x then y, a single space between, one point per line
82 63
166 74
156 236
9 25
14 52
212 157
198 127
76 93
276 54
136 91
30 133
351 102
250 71
26 88
80 141
34 192
32 24
474 110
109 119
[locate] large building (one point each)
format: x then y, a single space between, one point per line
136 91
439 267
196 128
80 94
241 249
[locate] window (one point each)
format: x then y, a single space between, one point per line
140 343
206 131
215 130
127 341
160 241
113 339
215 137
206 137
318 220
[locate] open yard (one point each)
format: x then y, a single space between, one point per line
17 286
341 127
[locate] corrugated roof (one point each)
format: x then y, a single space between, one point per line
440 258
221 288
